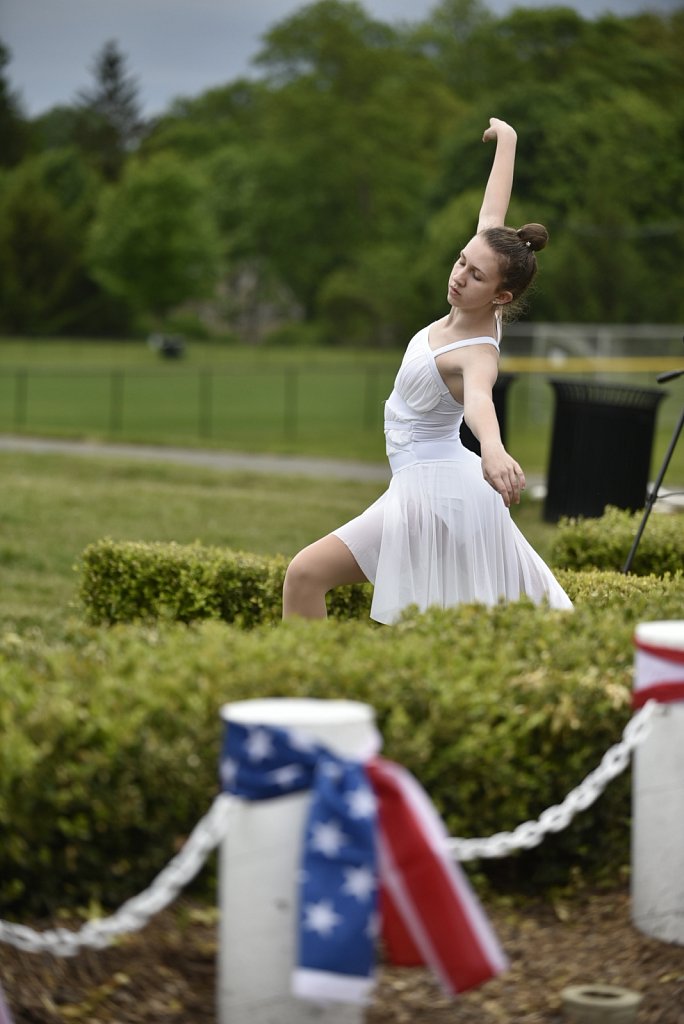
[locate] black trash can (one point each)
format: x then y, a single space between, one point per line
499 397
600 447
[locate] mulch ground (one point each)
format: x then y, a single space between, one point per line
166 974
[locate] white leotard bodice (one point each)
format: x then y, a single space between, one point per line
421 409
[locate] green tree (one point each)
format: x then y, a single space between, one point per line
109 123
610 172
196 128
599 156
38 254
153 242
342 181
46 204
13 126
373 299
346 151
456 39
58 128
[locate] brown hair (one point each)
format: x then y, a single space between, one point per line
516 251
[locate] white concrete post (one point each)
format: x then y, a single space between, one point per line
258 865
658 794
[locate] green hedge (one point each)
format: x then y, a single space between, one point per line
109 738
128 581
605 542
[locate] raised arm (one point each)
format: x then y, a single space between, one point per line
500 182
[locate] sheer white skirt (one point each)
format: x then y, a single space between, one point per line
440 535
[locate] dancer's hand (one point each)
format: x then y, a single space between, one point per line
497 129
503 473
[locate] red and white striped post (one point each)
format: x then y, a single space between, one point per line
658 784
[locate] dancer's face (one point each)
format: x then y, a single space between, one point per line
475 279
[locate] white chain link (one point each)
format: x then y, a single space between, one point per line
558 817
136 912
213 827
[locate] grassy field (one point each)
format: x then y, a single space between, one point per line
318 402
53 506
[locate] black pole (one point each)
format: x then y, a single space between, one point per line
653 496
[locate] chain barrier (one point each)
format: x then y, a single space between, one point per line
558 817
135 913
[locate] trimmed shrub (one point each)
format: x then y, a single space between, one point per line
110 738
602 588
605 542
130 581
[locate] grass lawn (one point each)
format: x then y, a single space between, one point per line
323 402
54 506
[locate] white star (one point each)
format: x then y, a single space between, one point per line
229 771
321 917
259 745
301 740
287 775
362 803
331 770
328 838
359 882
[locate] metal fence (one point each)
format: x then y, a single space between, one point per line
331 408
202 404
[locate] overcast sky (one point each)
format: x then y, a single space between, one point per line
177 47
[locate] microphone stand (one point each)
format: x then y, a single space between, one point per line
653 496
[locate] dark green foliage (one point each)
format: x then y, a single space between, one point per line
111 736
109 121
46 205
13 128
38 258
605 542
153 241
128 581
345 176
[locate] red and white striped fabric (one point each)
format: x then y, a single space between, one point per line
430 914
658 662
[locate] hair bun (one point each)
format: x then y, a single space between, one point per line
534 235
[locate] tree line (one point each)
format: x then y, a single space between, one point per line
324 198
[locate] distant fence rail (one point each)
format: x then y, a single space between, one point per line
204 402
255 403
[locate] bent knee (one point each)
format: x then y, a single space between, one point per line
323 565
304 571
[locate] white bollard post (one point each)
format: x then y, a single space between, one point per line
658 787
258 866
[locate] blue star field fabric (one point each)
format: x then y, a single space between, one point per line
338 894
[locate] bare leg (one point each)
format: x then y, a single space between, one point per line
325 564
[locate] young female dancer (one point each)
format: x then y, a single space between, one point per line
442 533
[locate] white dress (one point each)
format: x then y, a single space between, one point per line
440 534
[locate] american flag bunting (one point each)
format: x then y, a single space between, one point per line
374 861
